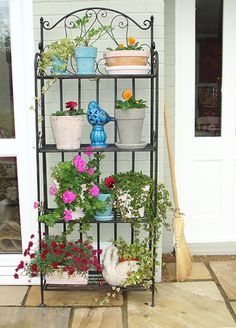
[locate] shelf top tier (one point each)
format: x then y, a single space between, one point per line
51 148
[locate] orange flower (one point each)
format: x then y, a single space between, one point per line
120 45
127 94
131 41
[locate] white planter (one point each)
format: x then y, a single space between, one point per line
130 70
130 125
124 200
67 131
126 57
62 278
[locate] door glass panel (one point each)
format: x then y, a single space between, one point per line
7 129
208 67
10 234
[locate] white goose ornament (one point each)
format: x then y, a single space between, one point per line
115 273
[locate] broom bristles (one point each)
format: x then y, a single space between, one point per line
183 257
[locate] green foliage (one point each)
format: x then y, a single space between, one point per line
120 46
69 113
89 34
138 251
131 103
63 49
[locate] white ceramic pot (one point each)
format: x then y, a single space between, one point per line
67 131
130 124
62 278
126 57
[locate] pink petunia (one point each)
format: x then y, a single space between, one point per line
67 215
90 171
53 190
88 150
94 191
36 205
68 197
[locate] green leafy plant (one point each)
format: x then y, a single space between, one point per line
63 49
71 111
76 191
129 101
89 34
56 253
132 44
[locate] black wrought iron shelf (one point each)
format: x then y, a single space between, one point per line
96 76
51 148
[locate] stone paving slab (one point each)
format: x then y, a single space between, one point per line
70 298
97 318
226 274
199 272
20 317
12 295
180 305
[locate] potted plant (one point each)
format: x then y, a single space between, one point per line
76 191
129 115
106 195
127 59
133 192
85 53
60 260
67 126
57 54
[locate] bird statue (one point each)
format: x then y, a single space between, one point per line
98 117
115 273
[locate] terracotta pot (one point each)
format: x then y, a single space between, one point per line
67 131
62 278
126 57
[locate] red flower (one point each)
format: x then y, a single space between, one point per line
34 267
54 265
43 257
62 246
43 244
90 247
100 251
71 104
32 255
16 276
54 244
99 268
68 254
110 182
30 244
32 236
26 252
58 251
75 249
21 265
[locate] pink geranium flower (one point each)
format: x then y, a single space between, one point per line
68 197
94 191
67 215
88 152
91 171
80 163
53 190
36 205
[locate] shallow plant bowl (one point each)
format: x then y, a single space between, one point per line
126 57
128 70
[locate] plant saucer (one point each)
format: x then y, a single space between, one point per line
131 146
103 218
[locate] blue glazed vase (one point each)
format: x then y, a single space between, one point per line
59 66
106 215
85 60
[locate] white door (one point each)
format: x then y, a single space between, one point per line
17 141
206 154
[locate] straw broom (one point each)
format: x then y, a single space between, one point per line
183 257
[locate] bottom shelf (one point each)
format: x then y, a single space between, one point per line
95 282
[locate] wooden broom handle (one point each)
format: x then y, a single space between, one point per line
170 154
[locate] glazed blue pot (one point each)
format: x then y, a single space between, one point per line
106 215
85 60
58 66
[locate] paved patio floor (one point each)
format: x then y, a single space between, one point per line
206 300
